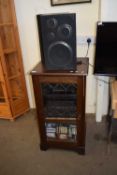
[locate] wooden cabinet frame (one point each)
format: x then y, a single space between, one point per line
12 79
40 76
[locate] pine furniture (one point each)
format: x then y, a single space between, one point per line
13 93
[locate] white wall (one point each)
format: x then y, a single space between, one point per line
87 16
109 10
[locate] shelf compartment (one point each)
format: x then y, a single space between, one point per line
12 64
61 131
59 99
7 37
5 11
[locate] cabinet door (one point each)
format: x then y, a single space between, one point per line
59 100
56 100
60 103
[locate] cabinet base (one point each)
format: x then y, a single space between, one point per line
43 147
79 150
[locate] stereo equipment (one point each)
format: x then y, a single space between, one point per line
57 33
59 99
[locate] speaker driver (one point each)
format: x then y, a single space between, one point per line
64 31
51 36
52 23
60 54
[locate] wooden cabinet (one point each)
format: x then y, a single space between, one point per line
13 93
60 103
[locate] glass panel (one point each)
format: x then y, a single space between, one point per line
2 98
5 15
12 64
7 37
60 100
16 88
61 131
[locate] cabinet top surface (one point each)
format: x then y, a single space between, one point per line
81 70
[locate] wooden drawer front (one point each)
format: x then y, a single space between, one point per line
19 106
5 111
58 79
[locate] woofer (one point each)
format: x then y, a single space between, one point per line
60 54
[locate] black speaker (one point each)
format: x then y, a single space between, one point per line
57 33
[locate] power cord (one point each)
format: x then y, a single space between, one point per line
104 81
80 62
88 42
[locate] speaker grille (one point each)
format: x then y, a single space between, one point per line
58 41
60 54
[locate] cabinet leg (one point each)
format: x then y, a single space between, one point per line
43 147
12 120
81 151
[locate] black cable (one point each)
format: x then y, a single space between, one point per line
88 42
80 62
87 50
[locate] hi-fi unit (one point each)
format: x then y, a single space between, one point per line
57 33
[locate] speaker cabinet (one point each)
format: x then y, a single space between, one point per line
57 33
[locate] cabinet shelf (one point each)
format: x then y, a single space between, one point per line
6 24
14 76
17 98
61 120
2 100
11 50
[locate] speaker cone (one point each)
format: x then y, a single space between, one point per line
51 36
52 23
60 54
64 31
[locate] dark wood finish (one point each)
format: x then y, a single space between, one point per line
82 70
40 75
